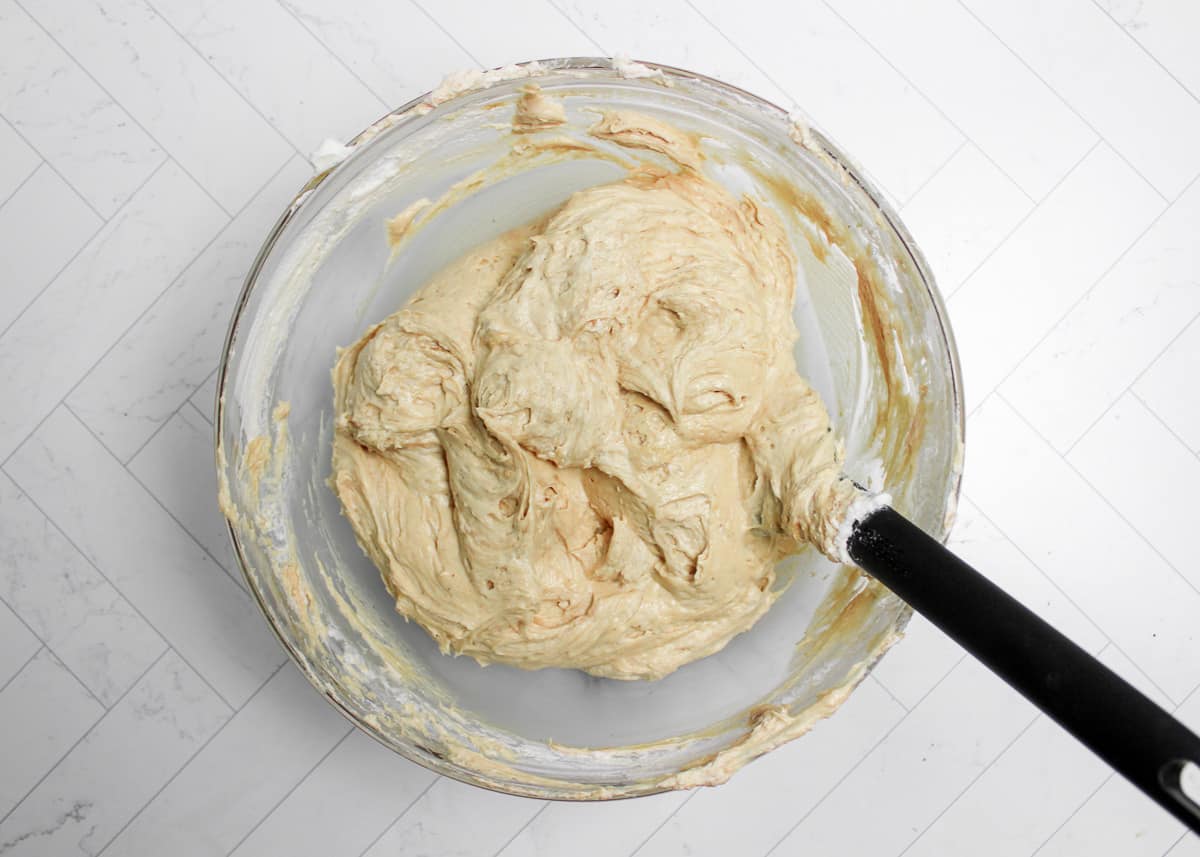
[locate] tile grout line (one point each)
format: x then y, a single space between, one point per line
1053 583
745 56
958 797
41 162
796 105
1195 318
221 76
337 57
42 647
119 591
48 647
84 736
1150 54
187 401
1158 418
1087 799
199 412
1136 531
1104 497
84 246
1174 844
937 108
1024 218
545 805
125 462
183 270
446 33
1088 430
603 51
1111 774
350 730
37 427
211 374
1058 95
156 498
906 712
871 675
383 103
1088 292
1129 389
664 822
154 302
232 716
16 130
1193 692
57 273
1038 716
863 758
437 778
937 172
1186 187
115 101
1117 512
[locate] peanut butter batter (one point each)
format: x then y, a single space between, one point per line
585 444
536 112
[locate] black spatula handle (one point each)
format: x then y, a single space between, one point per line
1118 723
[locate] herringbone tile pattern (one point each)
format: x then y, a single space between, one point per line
1045 155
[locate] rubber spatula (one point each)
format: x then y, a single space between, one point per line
1145 744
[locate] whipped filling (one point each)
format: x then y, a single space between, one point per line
586 443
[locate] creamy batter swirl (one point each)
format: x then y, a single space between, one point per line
586 444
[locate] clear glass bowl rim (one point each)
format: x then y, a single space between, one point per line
396 117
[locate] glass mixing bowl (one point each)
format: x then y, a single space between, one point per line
874 342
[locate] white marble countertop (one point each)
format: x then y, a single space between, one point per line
1045 156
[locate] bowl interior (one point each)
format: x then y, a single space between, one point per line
327 272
